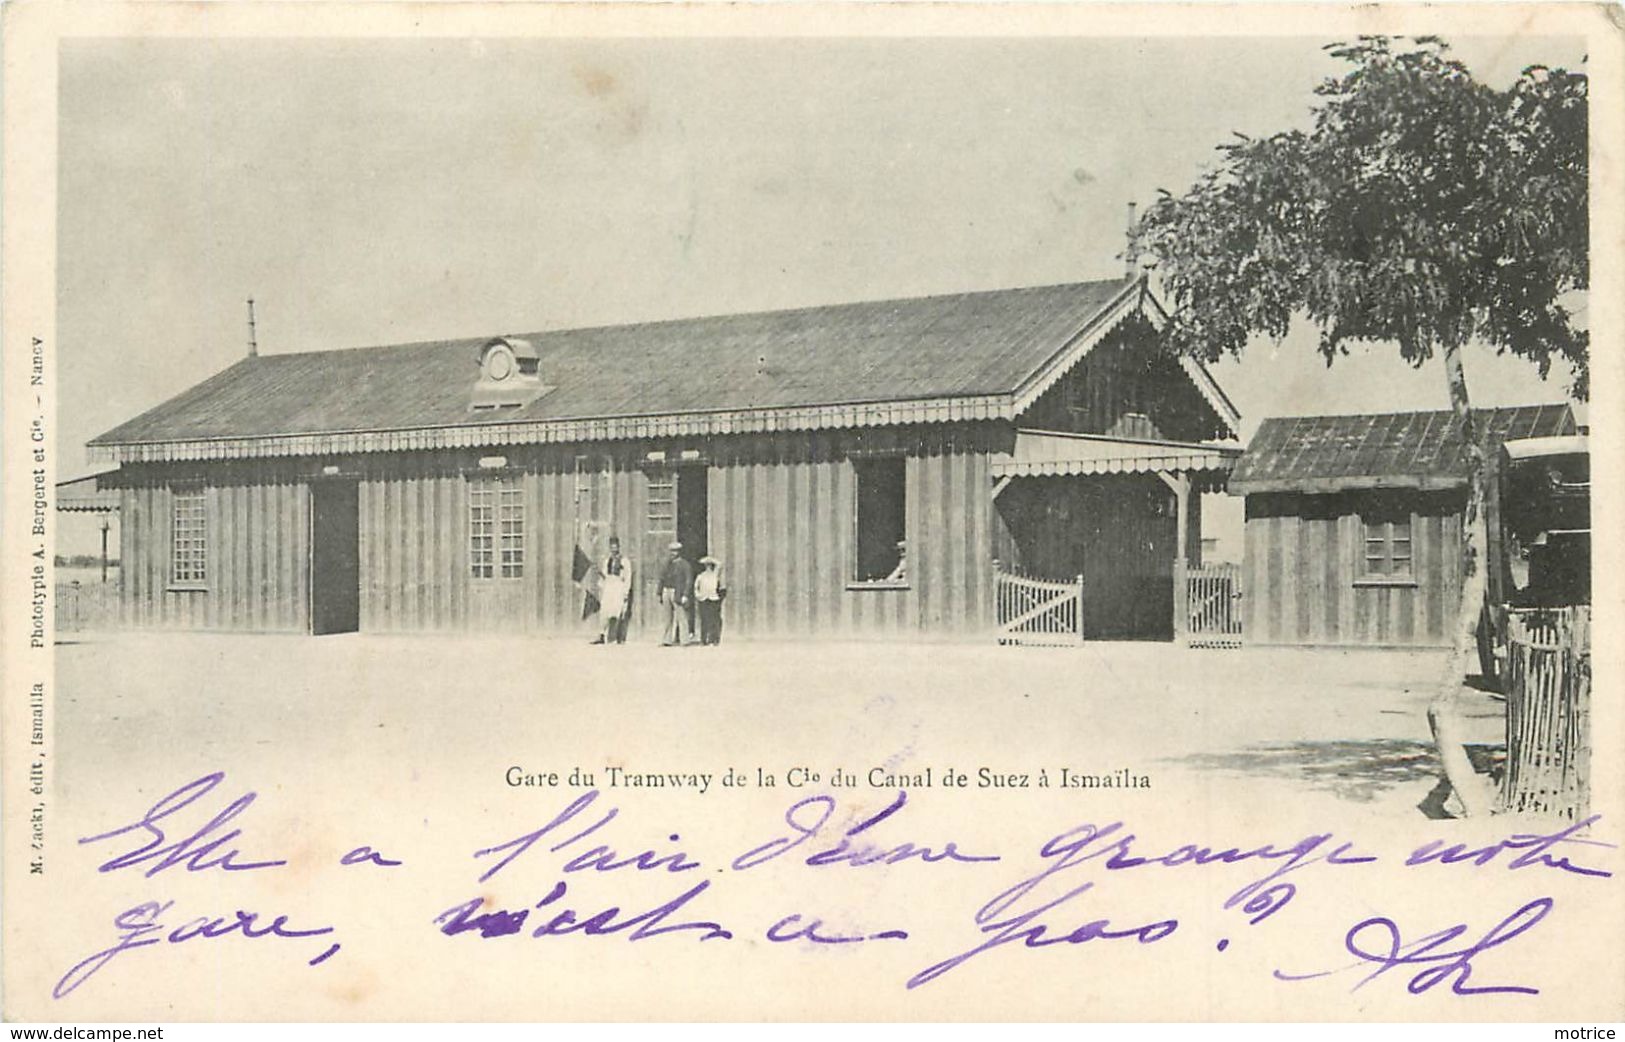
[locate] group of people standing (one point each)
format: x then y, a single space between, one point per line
687 598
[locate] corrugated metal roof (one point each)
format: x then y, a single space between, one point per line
1383 450
942 347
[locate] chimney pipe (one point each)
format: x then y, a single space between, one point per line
253 343
1131 260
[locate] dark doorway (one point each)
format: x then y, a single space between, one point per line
1116 530
693 521
335 565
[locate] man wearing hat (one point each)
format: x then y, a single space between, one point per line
677 594
614 595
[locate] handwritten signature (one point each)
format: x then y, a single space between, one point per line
1043 908
1388 951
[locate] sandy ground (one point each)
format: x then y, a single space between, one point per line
407 745
1345 724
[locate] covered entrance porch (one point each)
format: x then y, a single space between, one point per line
1119 519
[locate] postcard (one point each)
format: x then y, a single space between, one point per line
812 513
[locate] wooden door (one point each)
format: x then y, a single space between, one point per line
335 559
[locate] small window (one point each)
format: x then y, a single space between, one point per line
662 503
881 556
1387 548
496 530
584 476
189 539
588 476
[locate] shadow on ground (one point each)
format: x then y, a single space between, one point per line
1360 771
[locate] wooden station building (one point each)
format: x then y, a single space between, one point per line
473 484
1353 523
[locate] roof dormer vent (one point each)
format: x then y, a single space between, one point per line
510 375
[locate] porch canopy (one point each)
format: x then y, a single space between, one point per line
84 495
1058 454
1138 568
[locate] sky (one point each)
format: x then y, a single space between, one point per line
384 191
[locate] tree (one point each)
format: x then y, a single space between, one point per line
1424 210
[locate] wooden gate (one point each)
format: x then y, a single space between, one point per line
1211 615
1038 611
1548 688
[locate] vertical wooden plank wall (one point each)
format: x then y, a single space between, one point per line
780 510
415 573
258 539
1301 573
1123 374
782 523
413 549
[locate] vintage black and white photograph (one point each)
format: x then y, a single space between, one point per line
904 522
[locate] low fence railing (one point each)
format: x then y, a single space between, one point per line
86 606
1211 614
1548 690
1038 611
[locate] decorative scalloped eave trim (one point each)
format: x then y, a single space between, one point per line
552 432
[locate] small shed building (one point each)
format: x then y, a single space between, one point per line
473 484
1353 523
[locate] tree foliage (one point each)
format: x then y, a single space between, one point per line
1423 208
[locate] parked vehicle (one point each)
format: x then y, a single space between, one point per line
1539 515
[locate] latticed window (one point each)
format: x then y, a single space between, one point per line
1388 547
663 503
585 475
511 532
189 539
496 530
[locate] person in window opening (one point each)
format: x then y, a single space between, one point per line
614 595
899 574
709 591
677 594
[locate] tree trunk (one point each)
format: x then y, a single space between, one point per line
1445 711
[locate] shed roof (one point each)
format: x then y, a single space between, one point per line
1382 450
86 495
958 356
